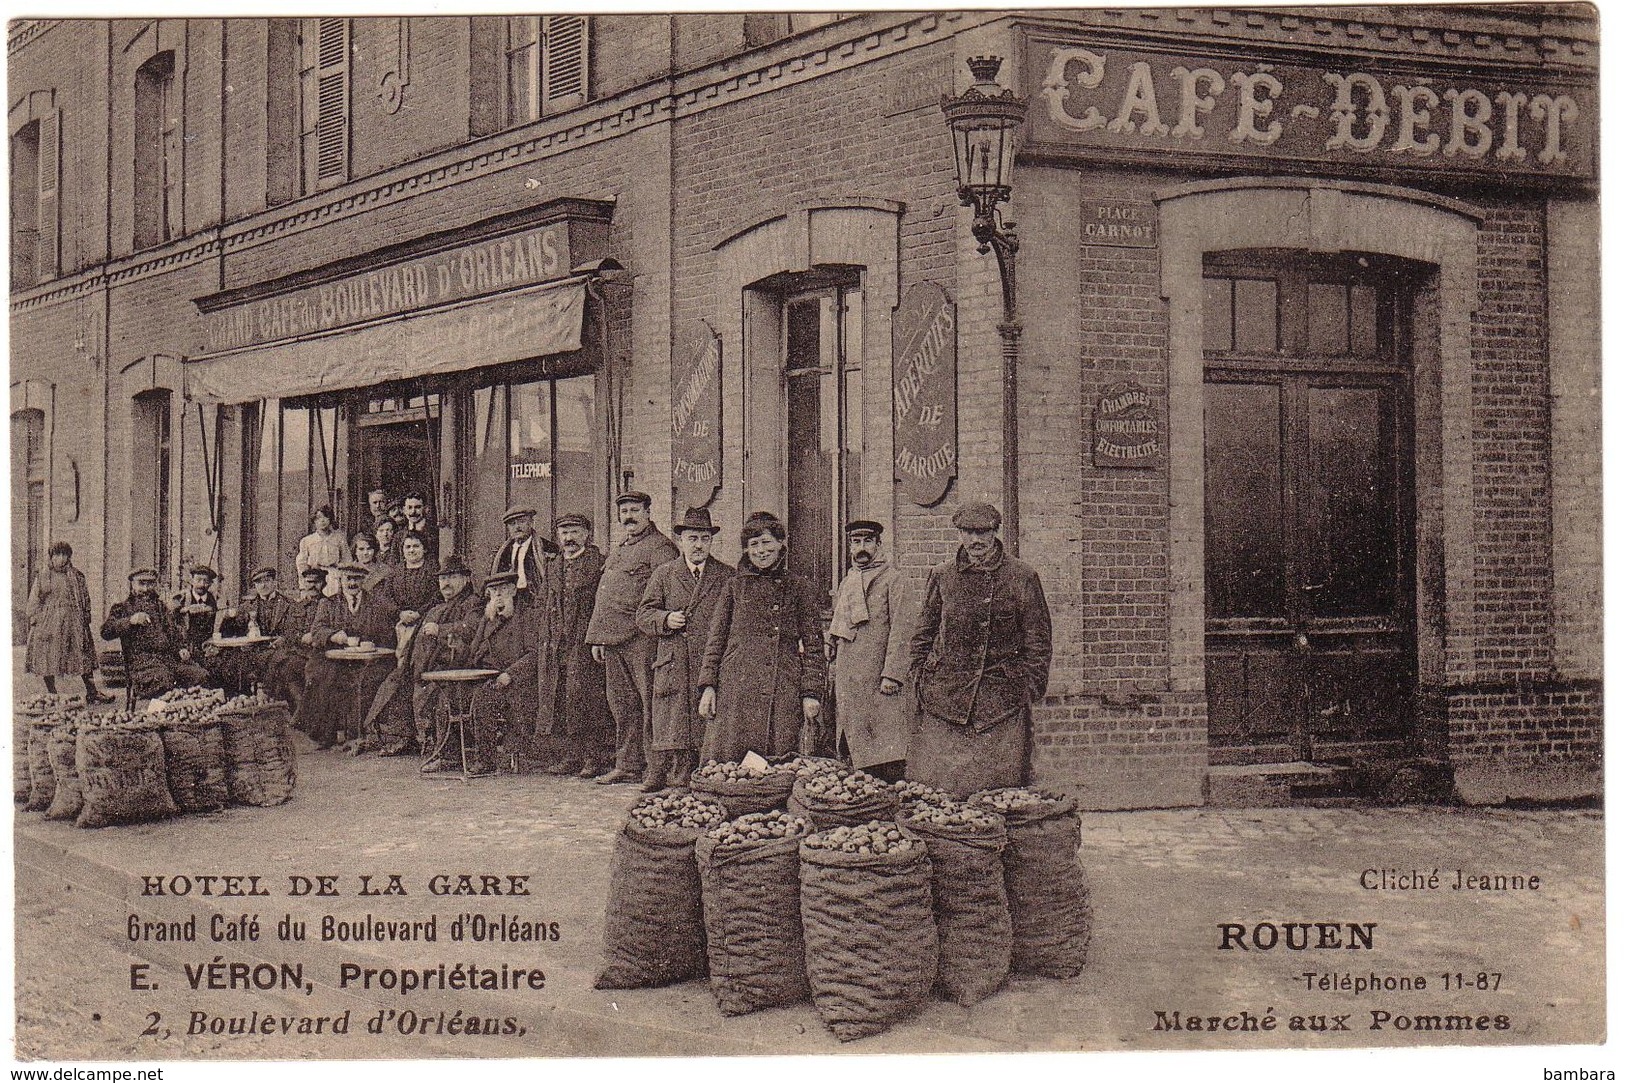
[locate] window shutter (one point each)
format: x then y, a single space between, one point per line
332 101
564 62
50 169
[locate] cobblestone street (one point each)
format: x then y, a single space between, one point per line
1162 882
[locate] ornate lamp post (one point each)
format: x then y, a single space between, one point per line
985 122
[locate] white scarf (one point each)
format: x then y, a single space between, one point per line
851 607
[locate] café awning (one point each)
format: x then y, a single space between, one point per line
513 326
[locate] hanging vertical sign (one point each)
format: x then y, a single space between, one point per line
925 378
696 417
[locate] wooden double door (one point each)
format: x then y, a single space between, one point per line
1310 512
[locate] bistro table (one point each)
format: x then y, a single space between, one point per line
239 643
457 705
361 658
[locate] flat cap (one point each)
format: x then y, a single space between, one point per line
632 496
977 517
350 567
316 574
573 518
500 579
265 571
203 569
518 512
139 572
864 526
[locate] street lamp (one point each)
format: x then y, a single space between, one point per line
985 122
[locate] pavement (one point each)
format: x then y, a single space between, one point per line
1520 966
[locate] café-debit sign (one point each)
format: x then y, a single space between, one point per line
1357 114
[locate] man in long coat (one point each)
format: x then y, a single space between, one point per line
392 724
156 658
294 646
573 712
266 609
443 640
676 610
868 636
627 654
980 658
504 706
334 689
525 553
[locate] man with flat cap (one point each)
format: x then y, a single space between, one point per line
868 646
676 611
266 611
156 657
334 688
504 706
524 553
193 609
293 648
572 713
979 659
628 654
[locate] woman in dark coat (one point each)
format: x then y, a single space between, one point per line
59 640
764 669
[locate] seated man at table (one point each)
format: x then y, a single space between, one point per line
334 686
265 612
396 721
156 658
193 610
503 708
294 646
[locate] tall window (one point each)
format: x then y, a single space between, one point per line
823 380
324 95
35 167
149 476
157 152
545 60
27 499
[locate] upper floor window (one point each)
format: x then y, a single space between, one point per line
157 152
35 161
545 59
324 103
766 26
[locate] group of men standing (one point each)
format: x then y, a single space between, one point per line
596 661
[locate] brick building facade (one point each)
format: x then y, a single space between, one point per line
1341 265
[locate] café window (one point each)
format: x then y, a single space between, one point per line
150 469
533 445
291 451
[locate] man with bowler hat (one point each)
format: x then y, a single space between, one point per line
979 659
573 713
626 653
676 610
868 646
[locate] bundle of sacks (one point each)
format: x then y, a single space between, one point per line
192 752
803 878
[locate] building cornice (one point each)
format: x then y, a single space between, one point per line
24 31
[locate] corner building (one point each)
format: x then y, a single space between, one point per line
1308 436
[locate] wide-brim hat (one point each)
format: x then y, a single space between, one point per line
453 564
500 579
977 517
695 519
859 527
632 496
574 518
263 572
518 512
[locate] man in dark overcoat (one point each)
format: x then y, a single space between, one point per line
391 725
156 658
525 553
573 712
292 650
337 692
443 641
626 653
504 706
980 658
193 610
676 610
266 610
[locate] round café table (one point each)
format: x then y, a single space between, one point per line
239 643
361 658
458 705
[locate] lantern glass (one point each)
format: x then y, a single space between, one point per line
985 158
